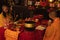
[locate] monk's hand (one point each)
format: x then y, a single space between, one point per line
49 22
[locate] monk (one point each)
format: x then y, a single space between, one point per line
4 16
53 29
12 32
4 21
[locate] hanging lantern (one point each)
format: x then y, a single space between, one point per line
50 0
43 4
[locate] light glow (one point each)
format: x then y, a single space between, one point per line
50 0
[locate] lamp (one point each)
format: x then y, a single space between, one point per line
50 0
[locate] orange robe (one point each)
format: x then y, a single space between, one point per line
3 21
53 31
11 35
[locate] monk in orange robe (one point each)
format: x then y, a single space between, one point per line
4 16
12 32
53 29
4 20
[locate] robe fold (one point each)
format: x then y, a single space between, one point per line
11 35
53 31
3 21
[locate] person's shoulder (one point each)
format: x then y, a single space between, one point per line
57 19
1 13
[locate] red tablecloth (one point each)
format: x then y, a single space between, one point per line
31 35
2 33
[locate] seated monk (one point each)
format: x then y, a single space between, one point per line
53 30
12 32
4 20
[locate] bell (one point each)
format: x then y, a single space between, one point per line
29 24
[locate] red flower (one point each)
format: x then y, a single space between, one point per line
43 4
